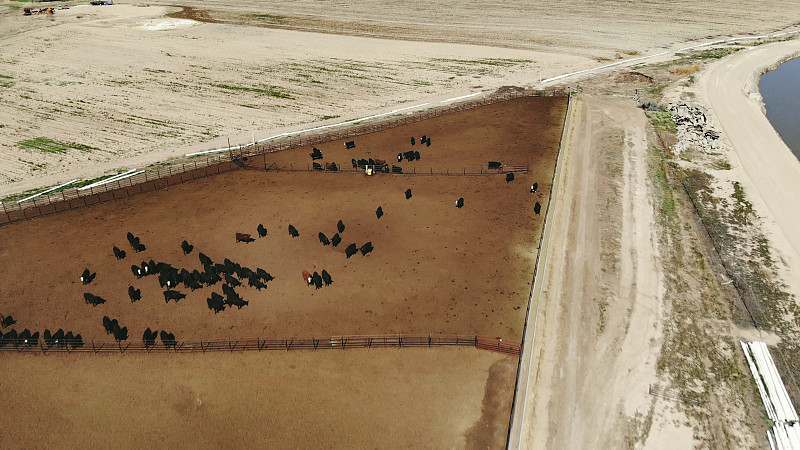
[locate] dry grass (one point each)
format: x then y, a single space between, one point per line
685 70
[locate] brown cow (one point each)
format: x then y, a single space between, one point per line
243 237
307 277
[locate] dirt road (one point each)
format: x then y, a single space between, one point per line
599 326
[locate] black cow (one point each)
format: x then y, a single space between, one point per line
254 281
366 248
34 340
134 294
186 247
261 230
168 339
537 208
7 321
428 142
109 324
173 295
118 253
324 239
509 177
317 166
326 278
11 337
355 163
48 338
68 339
149 338
460 203
399 157
77 340
24 336
350 250
233 282
410 155
379 212
350 144
340 226
417 156
87 277
316 154
423 138
408 194
216 302
495 165
204 260
120 333
93 300
136 243
413 141
264 275
137 271
317 280
336 240
397 169
58 338
534 188
293 231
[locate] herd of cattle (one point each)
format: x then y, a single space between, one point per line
26 338
232 275
379 165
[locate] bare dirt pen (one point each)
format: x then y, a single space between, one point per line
435 268
414 398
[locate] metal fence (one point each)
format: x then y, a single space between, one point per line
258 344
204 166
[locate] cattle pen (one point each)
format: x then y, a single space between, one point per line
258 344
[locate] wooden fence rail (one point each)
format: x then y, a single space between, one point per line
258 344
205 166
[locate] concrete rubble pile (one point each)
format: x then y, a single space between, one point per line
693 130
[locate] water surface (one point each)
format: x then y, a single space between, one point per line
780 90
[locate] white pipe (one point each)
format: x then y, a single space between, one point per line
44 192
122 178
459 98
107 180
757 377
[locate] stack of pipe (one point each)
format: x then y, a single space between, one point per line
785 434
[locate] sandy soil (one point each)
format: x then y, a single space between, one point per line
435 268
766 167
410 398
139 89
140 96
599 330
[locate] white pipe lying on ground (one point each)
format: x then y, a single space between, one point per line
785 434
44 192
119 178
459 98
107 180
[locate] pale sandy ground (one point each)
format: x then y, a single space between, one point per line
590 383
761 161
143 88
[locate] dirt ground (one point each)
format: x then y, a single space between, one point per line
435 268
392 398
